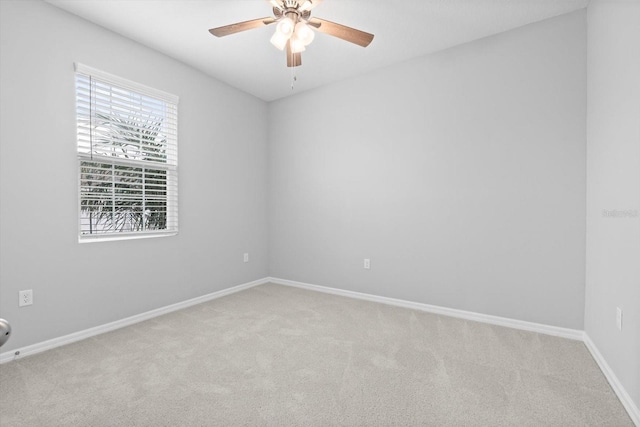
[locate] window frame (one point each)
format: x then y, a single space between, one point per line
91 158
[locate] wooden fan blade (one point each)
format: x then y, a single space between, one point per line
341 31
293 59
241 26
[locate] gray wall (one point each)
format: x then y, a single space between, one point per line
613 183
461 175
222 154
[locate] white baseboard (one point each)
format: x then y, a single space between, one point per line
617 387
87 333
573 334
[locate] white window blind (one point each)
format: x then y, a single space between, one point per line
127 157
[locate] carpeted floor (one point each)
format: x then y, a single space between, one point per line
281 356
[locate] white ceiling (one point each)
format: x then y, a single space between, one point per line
403 30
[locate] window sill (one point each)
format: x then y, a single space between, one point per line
124 236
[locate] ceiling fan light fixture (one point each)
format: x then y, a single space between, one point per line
286 27
297 45
304 33
295 28
279 40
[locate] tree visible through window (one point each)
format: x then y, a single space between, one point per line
127 154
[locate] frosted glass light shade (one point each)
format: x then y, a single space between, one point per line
297 45
279 40
304 33
286 27
306 5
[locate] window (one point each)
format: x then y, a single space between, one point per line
127 158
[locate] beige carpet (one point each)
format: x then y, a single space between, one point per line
280 356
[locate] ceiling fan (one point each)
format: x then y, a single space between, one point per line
293 31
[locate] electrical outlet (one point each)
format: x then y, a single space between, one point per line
367 263
619 318
246 257
25 298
